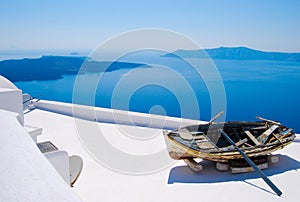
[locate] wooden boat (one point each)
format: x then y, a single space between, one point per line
255 139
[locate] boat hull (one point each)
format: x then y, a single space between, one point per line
183 149
178 151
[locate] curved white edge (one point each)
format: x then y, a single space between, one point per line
5 83
115 116
26 174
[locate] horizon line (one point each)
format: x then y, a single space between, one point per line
91 49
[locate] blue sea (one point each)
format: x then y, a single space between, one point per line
171 86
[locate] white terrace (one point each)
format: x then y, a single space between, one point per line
27 174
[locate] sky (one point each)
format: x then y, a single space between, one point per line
269 25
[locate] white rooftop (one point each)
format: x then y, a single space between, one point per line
174 183
29 175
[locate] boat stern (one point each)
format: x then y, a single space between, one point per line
176 150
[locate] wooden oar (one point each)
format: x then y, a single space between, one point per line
215 117
267 120
252 164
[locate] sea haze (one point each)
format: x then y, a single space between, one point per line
265 88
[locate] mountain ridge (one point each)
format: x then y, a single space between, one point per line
237 53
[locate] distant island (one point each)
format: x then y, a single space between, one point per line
235 53
54 67
74 53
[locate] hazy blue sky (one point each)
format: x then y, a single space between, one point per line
272 25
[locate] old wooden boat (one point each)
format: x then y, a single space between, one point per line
257 139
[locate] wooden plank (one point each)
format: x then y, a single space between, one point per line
215 117
263 137
235 170
252 137
241 142
286 132
267 120
192 164
258 128
231 147
205 144
185 134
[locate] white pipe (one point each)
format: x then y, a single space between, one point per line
115 116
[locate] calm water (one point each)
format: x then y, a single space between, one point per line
268 89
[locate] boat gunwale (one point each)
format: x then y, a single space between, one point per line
221 156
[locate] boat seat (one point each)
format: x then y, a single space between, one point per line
187 135
205 144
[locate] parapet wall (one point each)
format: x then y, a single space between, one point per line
114 116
